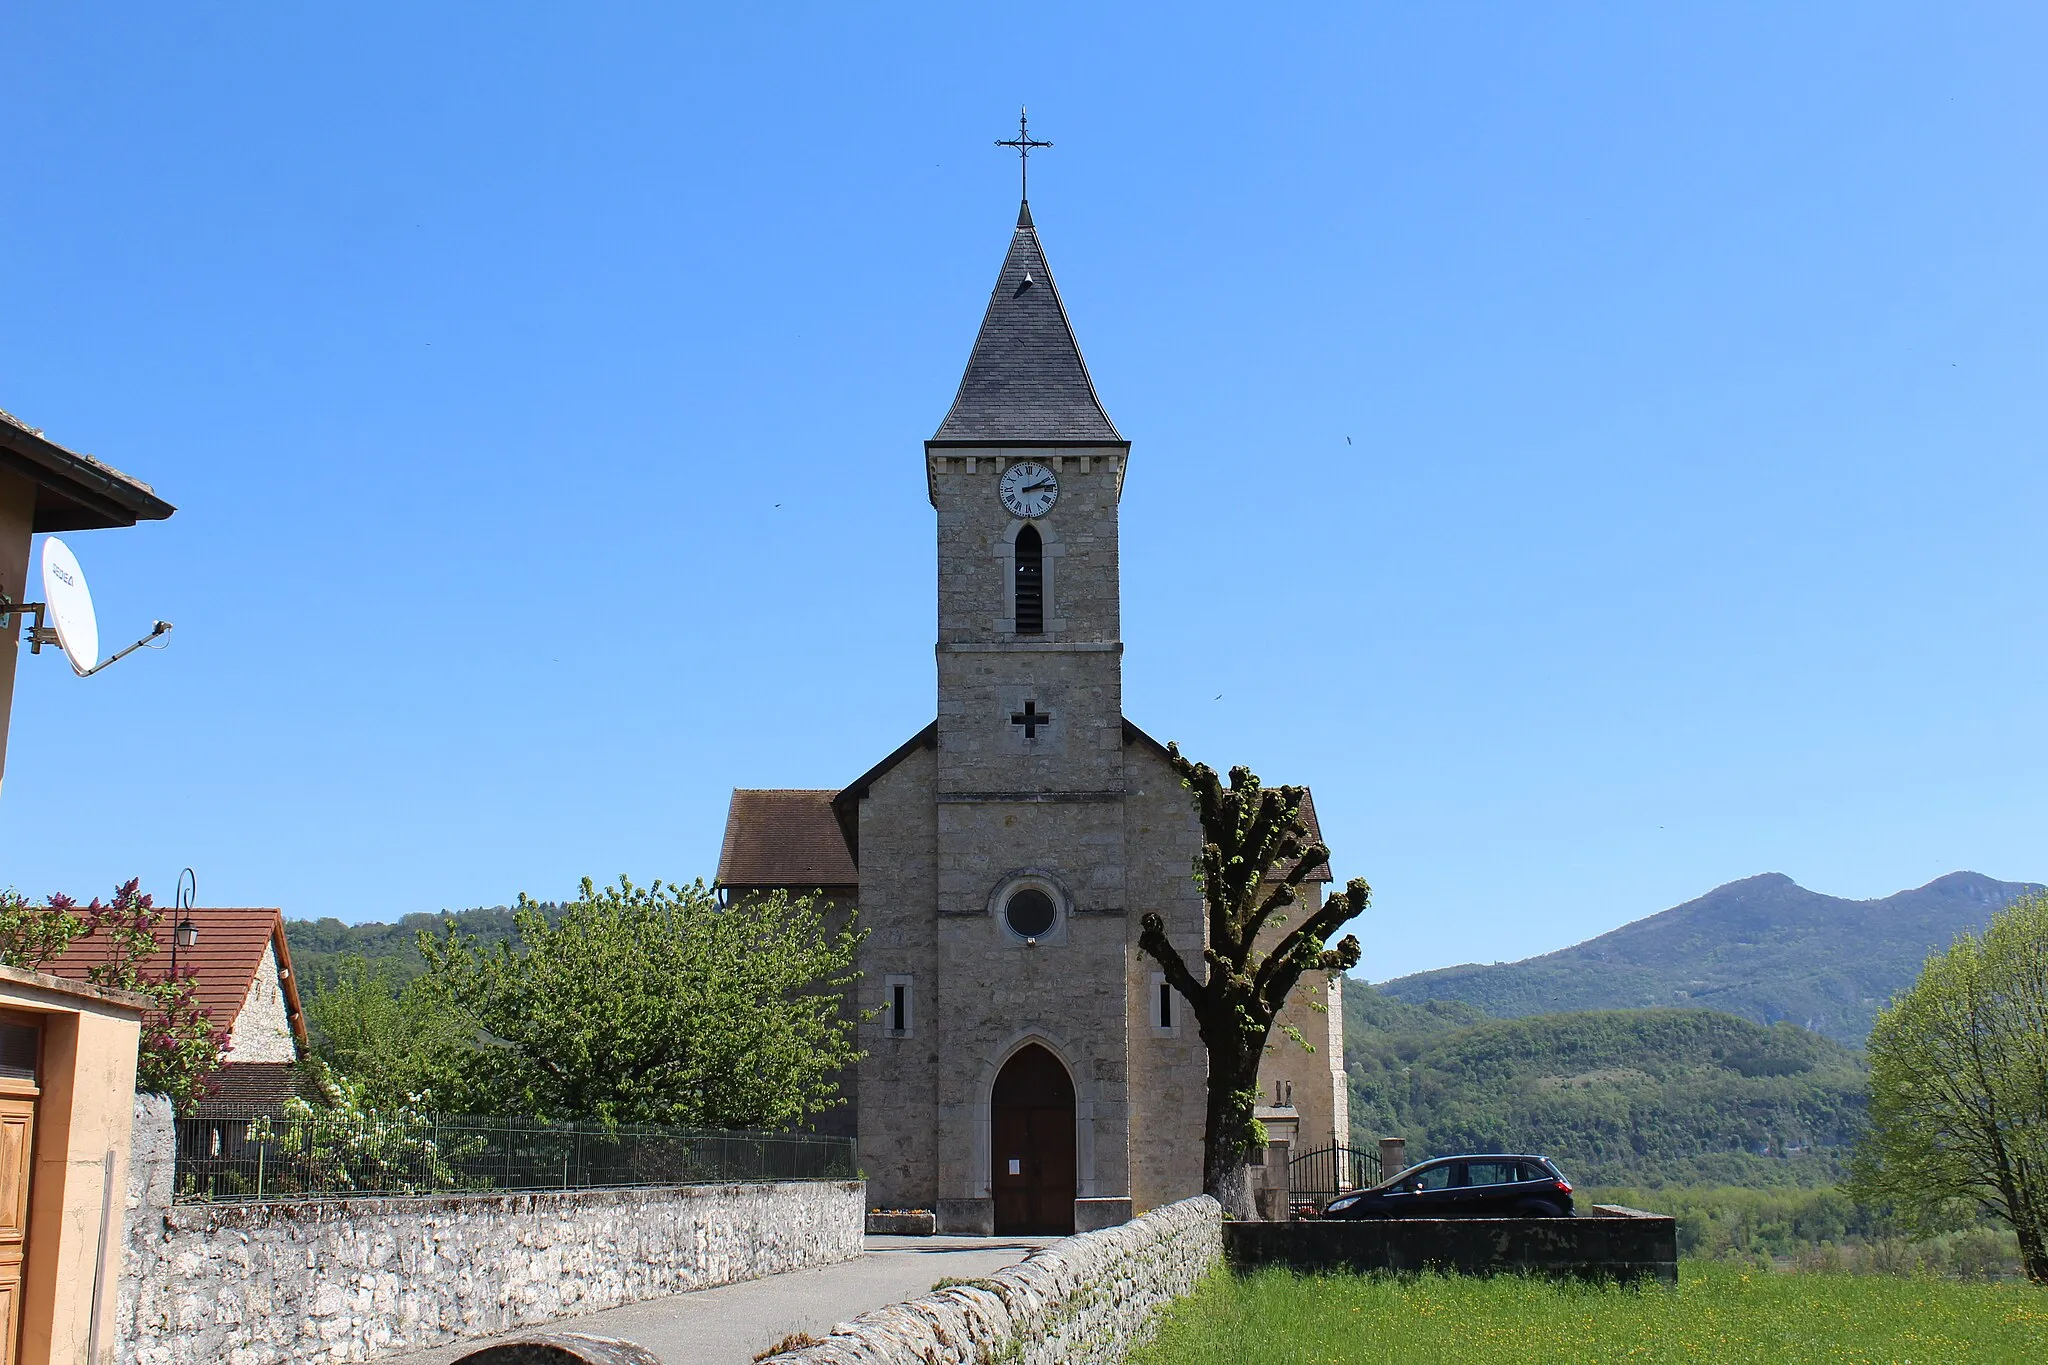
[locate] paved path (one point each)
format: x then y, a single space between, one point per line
729 1324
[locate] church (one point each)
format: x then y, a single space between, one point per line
1026 1068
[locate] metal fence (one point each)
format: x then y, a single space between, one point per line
1326 1172
257 1157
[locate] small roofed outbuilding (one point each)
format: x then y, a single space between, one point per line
242 969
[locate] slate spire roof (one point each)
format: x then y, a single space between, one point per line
1025 379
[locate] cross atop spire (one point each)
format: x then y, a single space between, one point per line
1023 142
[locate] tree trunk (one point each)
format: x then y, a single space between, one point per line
2033 1248
1233 1094
2036 1262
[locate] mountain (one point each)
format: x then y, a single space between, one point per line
1764 948
1617 1097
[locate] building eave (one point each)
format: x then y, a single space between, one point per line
76 492
289 980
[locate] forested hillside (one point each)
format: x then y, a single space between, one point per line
317 944
1618 1097
1764 948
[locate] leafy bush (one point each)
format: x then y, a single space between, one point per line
345 1144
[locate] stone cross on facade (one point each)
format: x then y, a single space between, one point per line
1031 718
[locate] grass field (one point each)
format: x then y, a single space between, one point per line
1719 1313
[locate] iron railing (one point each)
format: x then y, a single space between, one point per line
329 1155
1323 1174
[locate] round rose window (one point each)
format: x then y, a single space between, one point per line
1029 912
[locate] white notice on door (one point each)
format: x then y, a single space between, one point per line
1016 1166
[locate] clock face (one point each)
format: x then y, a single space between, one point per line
1028 489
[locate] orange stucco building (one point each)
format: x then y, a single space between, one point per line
67 1049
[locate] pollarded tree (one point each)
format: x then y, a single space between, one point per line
1256 852
1959 1084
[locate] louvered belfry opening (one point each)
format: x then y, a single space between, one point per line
1030 582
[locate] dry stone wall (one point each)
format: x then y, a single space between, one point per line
351 1280
1083 1300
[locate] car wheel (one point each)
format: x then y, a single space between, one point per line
1539 1209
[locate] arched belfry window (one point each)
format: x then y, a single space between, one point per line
1030 582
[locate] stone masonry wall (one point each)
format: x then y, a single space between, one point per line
253 1284
1083 1300
899 1119
1169 1067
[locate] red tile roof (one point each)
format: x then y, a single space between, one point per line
1315 833
224 960
249 1088
784 838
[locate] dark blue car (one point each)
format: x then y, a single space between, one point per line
1486 1185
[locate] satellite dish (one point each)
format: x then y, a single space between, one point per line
70 606
67 606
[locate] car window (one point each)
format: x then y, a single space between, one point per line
1435 1178
1494 1172
1532 1171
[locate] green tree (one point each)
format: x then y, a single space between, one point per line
1256 852
655 1004
1959 1084
395 1043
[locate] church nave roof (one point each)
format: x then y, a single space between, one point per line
786 838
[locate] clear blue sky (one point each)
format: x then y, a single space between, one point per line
1600 448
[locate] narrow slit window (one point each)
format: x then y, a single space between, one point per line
898 1006
1164 1024
1030 582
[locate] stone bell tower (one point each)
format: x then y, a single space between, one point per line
1026 472
1026 1069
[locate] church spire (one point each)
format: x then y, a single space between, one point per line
1025 378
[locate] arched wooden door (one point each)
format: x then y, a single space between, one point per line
1031 1123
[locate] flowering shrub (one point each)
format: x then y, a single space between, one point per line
182 1047
30 935
346 1145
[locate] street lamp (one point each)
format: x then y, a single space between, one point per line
186 935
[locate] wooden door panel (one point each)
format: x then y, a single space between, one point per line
17 1149
1052 1140
1031 1131
1011 1132
17 1144
10 1311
